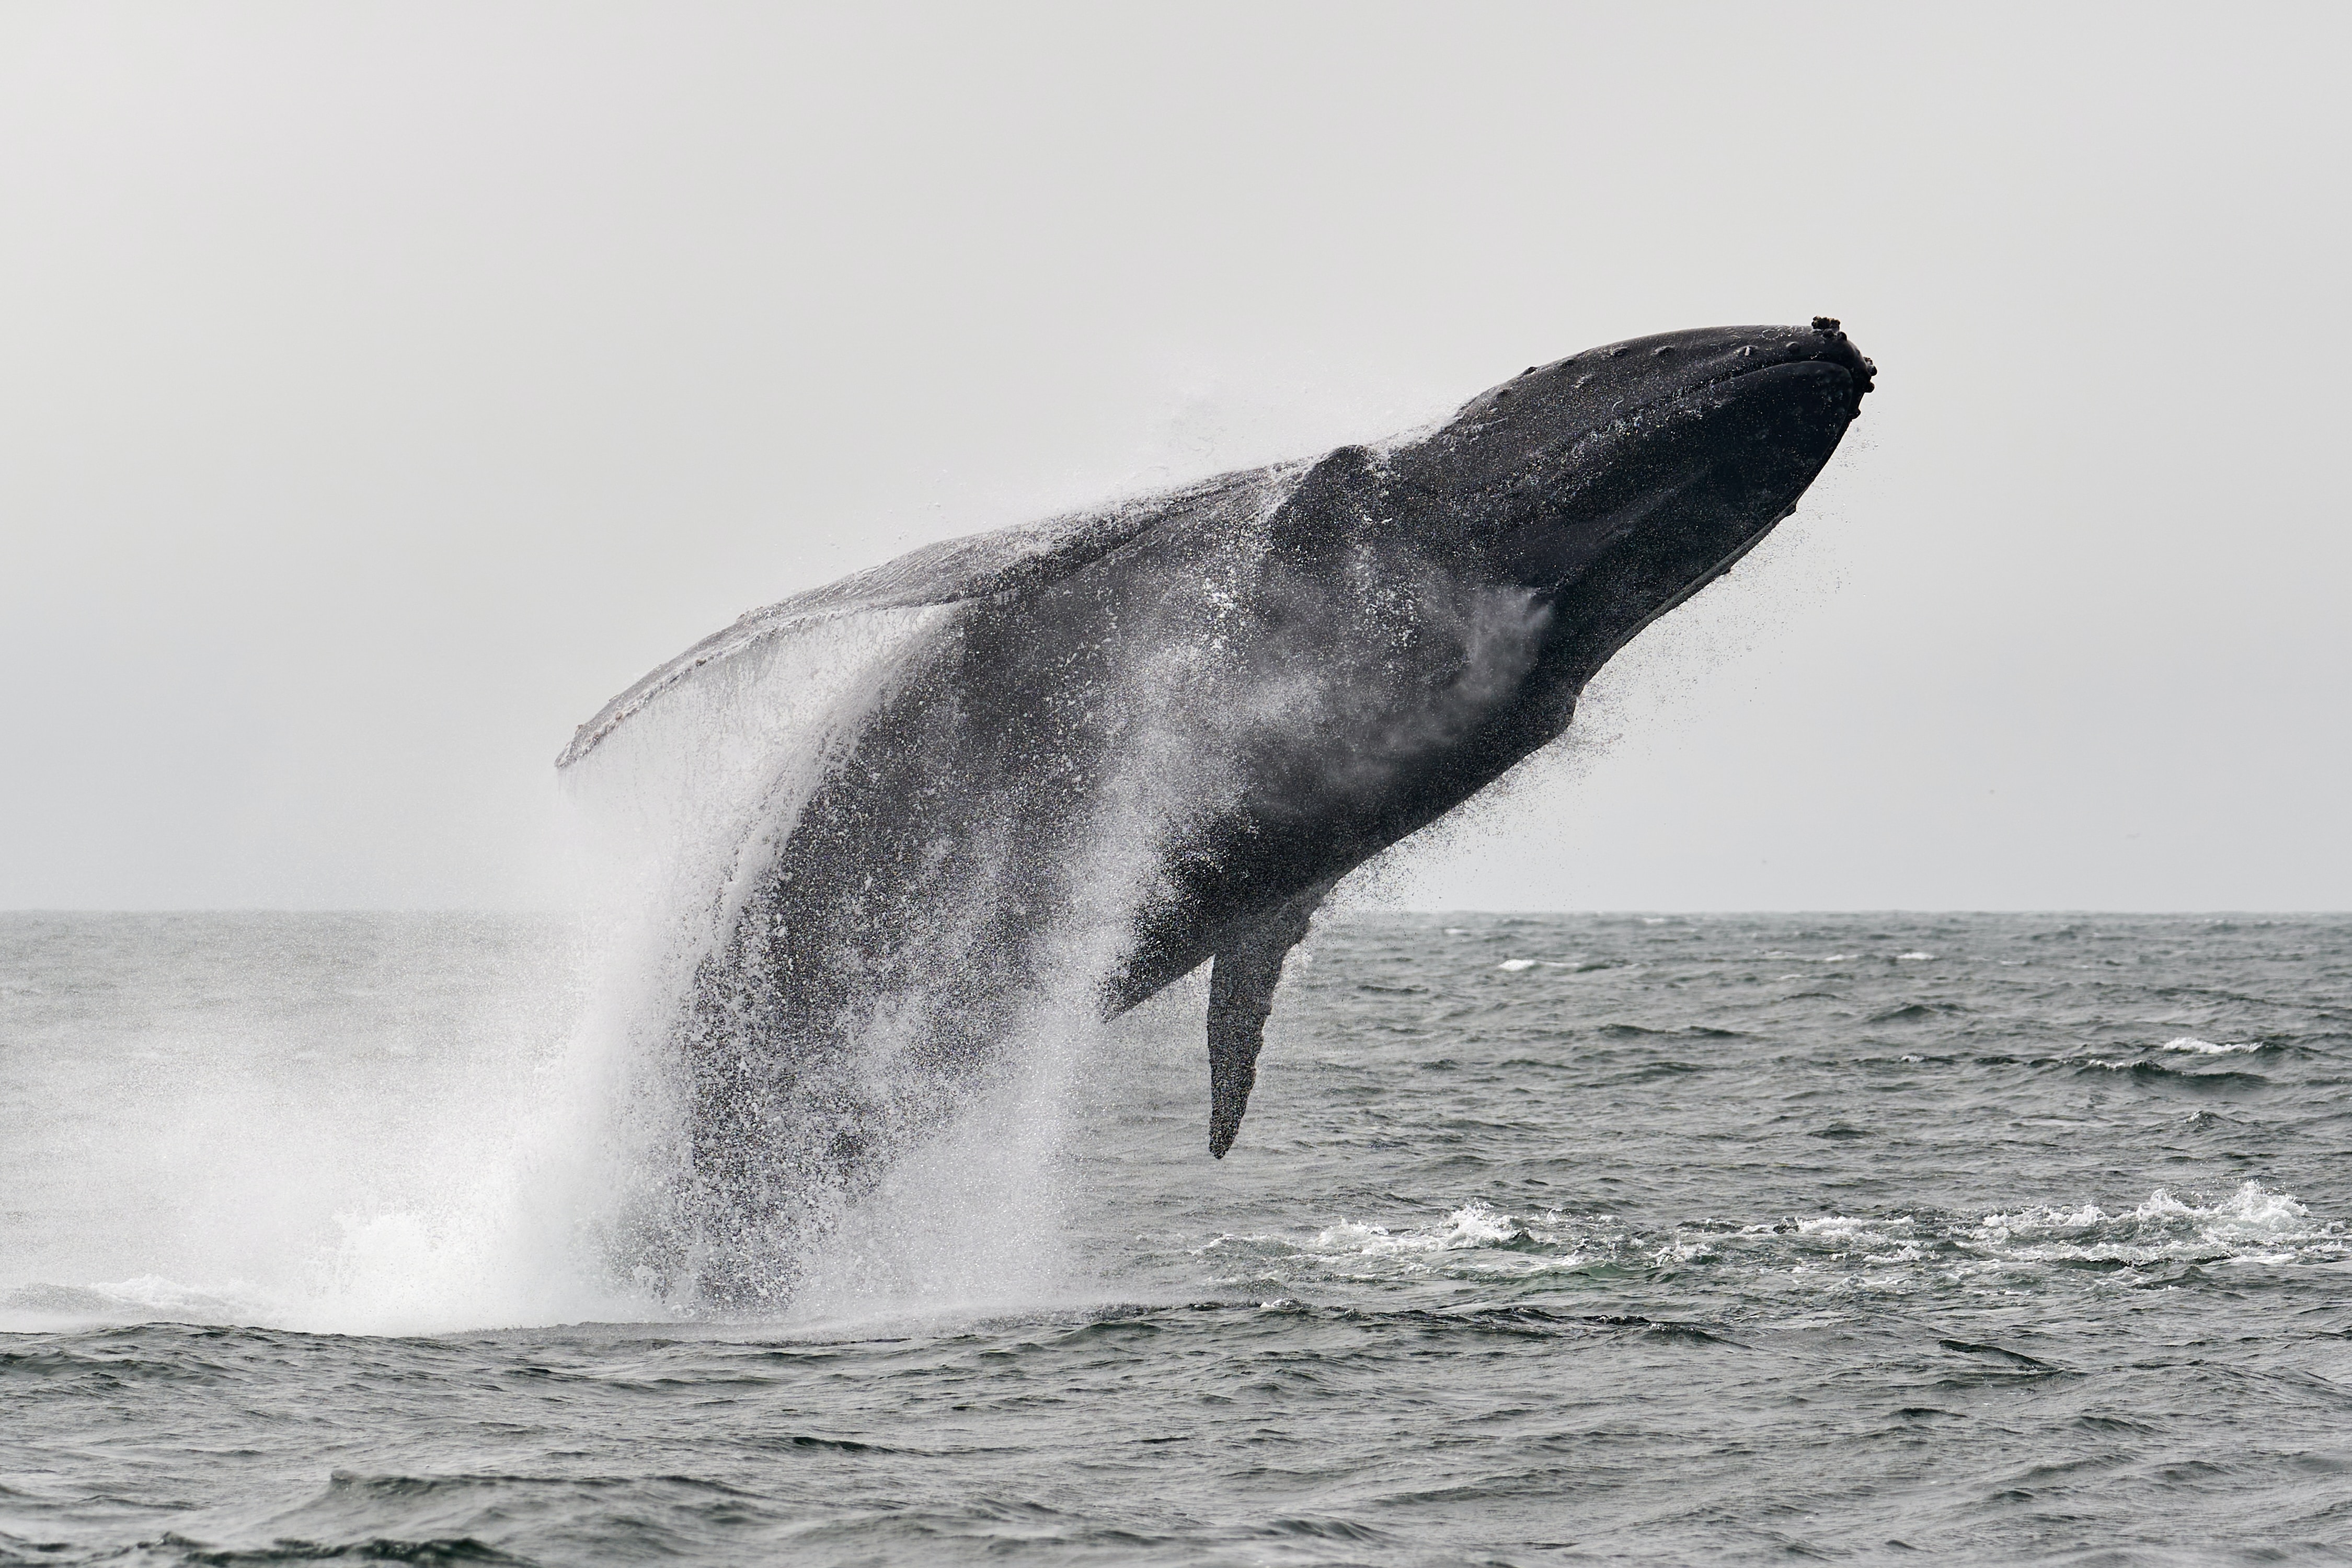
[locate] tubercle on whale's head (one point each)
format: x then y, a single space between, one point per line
1617 481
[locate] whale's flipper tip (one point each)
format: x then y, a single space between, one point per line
1232 1070
1241 993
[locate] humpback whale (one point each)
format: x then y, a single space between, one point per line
1153 735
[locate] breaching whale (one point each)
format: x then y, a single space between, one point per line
1155 735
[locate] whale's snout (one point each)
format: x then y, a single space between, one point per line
1616 482
1650 375
1535 420
1826 343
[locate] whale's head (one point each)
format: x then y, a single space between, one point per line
1617 482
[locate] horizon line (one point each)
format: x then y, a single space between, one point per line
543 911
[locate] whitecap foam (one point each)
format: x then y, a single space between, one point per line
2253 1222
2251 1227
1476 1241
1472 1225
1845 1226
1465 1241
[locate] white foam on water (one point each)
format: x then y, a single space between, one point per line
1474 1225
1846 1227
338 1158
2251 1226
2209 1047
360 1177
2253 1218
676 810
1476 1240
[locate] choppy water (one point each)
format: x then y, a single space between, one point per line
1998 1239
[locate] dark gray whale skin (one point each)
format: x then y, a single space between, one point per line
1155 735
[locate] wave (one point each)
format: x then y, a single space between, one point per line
2252 1224
2156 1074
1479 1241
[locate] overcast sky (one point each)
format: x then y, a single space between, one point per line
383 387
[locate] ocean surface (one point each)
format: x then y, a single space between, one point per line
1968 1238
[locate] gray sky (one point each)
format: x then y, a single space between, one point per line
383 387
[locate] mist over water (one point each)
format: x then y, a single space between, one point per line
1548 1239
413 1125
948 1194
340 1123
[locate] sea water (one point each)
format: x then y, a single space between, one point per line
1997 1239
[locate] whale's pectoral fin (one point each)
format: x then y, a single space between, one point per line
1241 994
948 573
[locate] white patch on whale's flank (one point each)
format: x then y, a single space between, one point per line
1638 697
